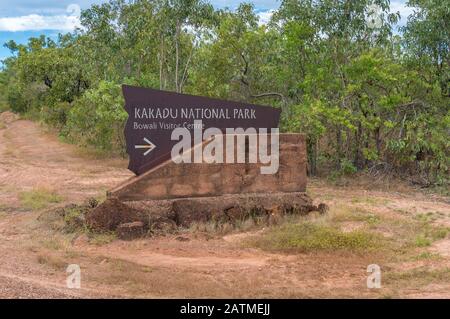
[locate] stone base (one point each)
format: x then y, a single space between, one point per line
183 212
130 231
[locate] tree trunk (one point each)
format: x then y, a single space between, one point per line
161 64
358 159
338 148
312 155
377 135
177 56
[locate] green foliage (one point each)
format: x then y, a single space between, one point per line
366 99
3 100
422 241
428 231
98 118
74 220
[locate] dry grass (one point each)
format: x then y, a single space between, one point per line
426 255
137 280
354 227
101 238
345 213
52 261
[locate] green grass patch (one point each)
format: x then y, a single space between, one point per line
416 232
74 219
369 200
347 214
438 232
426 256
429 234
425 218
308 236
421 276
422 241
39 198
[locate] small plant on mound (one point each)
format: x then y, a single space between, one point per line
74 219
308 236
74 216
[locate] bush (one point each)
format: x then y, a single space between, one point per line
74 219
56 114
98 118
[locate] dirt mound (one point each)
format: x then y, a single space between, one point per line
8 117
112 213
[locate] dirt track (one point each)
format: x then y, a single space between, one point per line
33 258
31 159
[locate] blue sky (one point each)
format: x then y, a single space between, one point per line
22 19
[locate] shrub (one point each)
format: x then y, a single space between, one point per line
98 118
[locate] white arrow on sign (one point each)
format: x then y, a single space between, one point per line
150 146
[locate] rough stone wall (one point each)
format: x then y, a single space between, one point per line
170 180
172 213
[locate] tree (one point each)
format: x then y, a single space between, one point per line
427 39
366 99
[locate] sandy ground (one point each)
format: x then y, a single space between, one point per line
33 257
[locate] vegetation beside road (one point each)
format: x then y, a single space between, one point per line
368 98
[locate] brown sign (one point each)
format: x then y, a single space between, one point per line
154 114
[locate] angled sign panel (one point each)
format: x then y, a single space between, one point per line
154 114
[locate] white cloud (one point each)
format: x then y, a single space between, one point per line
17 8
264 16
401 7
36 22
39 22
405 11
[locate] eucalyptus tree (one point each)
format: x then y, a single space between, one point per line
140 28
427 40
240 60
180 23
99 40
321 40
